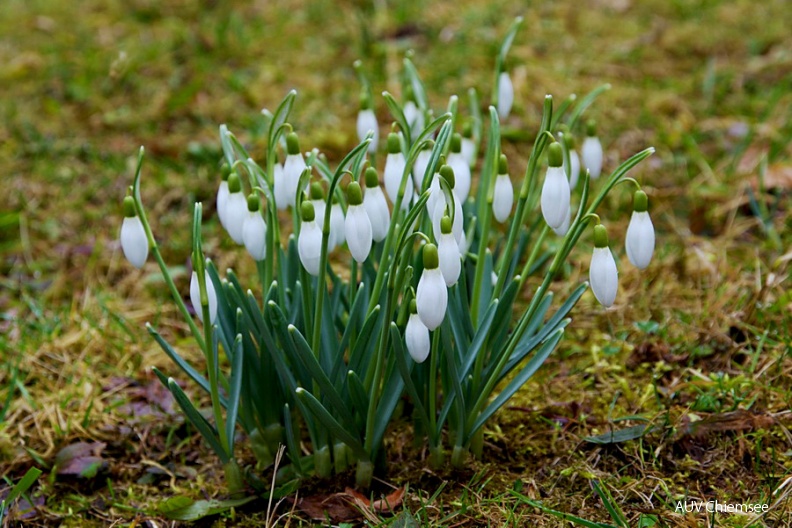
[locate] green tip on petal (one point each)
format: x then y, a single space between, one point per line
307 212
430 258
600 236
354 194
253 202
555 155
129 207
234 183
394 145
446 225
640 202
413 306
292 143
456 143
447 173
317 193
372 180
503 165
467 129
225 171
591 128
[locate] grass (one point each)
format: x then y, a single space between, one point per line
697 348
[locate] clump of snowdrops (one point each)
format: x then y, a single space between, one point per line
420 299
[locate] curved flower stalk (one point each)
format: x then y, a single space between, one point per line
357 225
293 167
309 242
640 239
591 151
458 162
133 237
254 230
376 206
448 253
603 275
431 297
222 194
394 168
416 336
195 297
505 95
236 209
441 204
555 191
367 121
503 195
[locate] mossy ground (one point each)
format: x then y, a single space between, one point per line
703 334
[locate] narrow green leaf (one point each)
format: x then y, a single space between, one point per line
279 118
357 393
330 423
24 484
235 392
206 429
561 515
610 505
621 435
194 375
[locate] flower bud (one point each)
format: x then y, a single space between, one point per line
591 151
292 168
503 196
309 242
211 297
458 162
416 336
254 230
505 95
640 240
376 206
431 297
357 225
236 209
555 191
448 253
134 242
603 275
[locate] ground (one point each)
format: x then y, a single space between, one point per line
697 346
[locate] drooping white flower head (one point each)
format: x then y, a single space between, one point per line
134 242
280 188
573 169
416 336
503 195
448 253
376 206
337 236
293 167
505 95
254 230
431 297
440 204
357 225
318 201
603 275
367 121
309 242
458 162
563 228
591 151
394 169
420 165
555 191
211 297
236 208
468 145
222 194
640 241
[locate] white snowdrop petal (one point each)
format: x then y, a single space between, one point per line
222 201
416 337
440 210
419 167
337 235
591 152
254 235
469 151
431 298
574 173
414 118
377 210
319 211
394 168
357 227
563 228
640 240
236 212
292 169
280 187
505 95
309 247
195 297
603 276
450 260
367 120
457 161
503 198
555 197
134 242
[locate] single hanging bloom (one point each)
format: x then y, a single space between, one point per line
440 204
431 297
591 151
357 225
468 145
421 164
376 206
337 236
563 228
280 189
236 208
254 230
309 243
555 191
640 241
293 167
458 162
503 195
505 95
416 336
603 275
367 121
448 253
573 168
318 201
134 242
222 194
211 296
394 170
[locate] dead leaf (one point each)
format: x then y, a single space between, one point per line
740 420
777 176
348 506
387 504
82 460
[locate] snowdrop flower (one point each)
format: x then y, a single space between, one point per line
573 169
461 167
309 243
640 233
603 276
394 169
448 252
222 194
254 230
292 168
280 189
412 113
337 236
591 151
505 95
431 297
468 145
555 191
503 196
357 225
133 237
416 336
236 208
440 204
211 297
376 206
421 163
367 121
563 228
318 201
